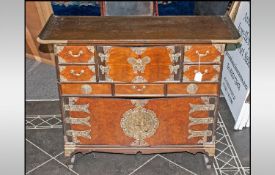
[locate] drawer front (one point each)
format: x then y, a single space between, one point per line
86 89
139 64
192 88
75 54
209 73
139 90
77 73
152 122
203 53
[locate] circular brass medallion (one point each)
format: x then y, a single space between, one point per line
192 88
139 123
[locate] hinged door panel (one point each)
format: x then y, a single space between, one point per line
149 122
139 64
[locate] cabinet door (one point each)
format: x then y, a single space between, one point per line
139 64
139 122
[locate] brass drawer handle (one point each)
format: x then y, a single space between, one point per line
76 55
77 74
86 89
202 54
204 72
192 88
139 89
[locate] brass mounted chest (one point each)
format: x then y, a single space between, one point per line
139 84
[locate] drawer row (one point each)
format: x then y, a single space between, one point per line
139 90
89 73
85 54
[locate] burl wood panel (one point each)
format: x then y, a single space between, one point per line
139 89
210 72
156 70
203 89
208 52
75 54
96 89
77 73
140 30
106 116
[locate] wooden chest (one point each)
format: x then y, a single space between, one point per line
139 84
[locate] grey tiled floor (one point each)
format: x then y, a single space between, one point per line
44 150
40 81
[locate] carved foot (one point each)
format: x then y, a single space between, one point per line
69 149
209 160
70 162
93 155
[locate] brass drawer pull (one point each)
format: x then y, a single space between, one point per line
86 89
205 71
192 88
139 89
202 54
76 55
77 74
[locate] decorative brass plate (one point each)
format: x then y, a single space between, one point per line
139 123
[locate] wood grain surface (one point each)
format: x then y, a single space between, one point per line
122 71
139 29
77 89
70 72
139 89
75 54
210 53
106 114
203 89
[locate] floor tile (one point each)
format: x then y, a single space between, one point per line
160 166
106 163
34 156
50 140
52 168
42 107
240 139
43 121
247 171
193 162
41 80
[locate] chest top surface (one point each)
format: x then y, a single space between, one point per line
139 30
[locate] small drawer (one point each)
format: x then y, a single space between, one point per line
193 88
209 73
77 73
75 54
139 89
86 89
203 53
